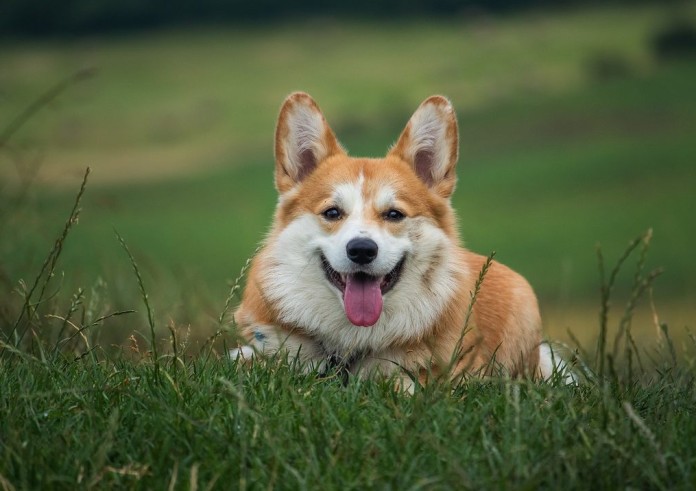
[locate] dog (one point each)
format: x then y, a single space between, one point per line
363 269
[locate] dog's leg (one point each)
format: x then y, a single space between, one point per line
552 365
268 340
388 365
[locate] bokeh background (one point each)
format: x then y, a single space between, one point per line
577 128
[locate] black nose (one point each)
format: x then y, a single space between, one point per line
362 251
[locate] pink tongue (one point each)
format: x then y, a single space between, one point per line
363 300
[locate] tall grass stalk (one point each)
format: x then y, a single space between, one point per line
607 357
234 292
458 353
79 331
146 301
606 290
640 284
47 271
236 286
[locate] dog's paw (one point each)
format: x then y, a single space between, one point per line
243 354
404 385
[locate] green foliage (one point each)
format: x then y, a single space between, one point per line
81 424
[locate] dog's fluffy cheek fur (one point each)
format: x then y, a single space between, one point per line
294 280
295 284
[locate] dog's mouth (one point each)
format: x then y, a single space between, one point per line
362 293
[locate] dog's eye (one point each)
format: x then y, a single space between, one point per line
394 215
332 214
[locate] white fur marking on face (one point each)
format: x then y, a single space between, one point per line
385 198
349 197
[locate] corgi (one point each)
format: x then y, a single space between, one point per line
363 268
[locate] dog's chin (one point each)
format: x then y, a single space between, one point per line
338 280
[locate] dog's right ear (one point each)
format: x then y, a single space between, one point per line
302 140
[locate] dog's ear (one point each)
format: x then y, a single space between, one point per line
302 140
429 143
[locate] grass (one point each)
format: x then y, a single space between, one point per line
215 425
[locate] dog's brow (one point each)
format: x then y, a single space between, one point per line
348 195
385 197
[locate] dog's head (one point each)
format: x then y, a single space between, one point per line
365 227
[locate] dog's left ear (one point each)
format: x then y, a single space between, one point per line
303 139
430 144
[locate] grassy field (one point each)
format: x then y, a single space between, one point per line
207 424
558 153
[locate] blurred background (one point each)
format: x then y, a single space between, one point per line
577 128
